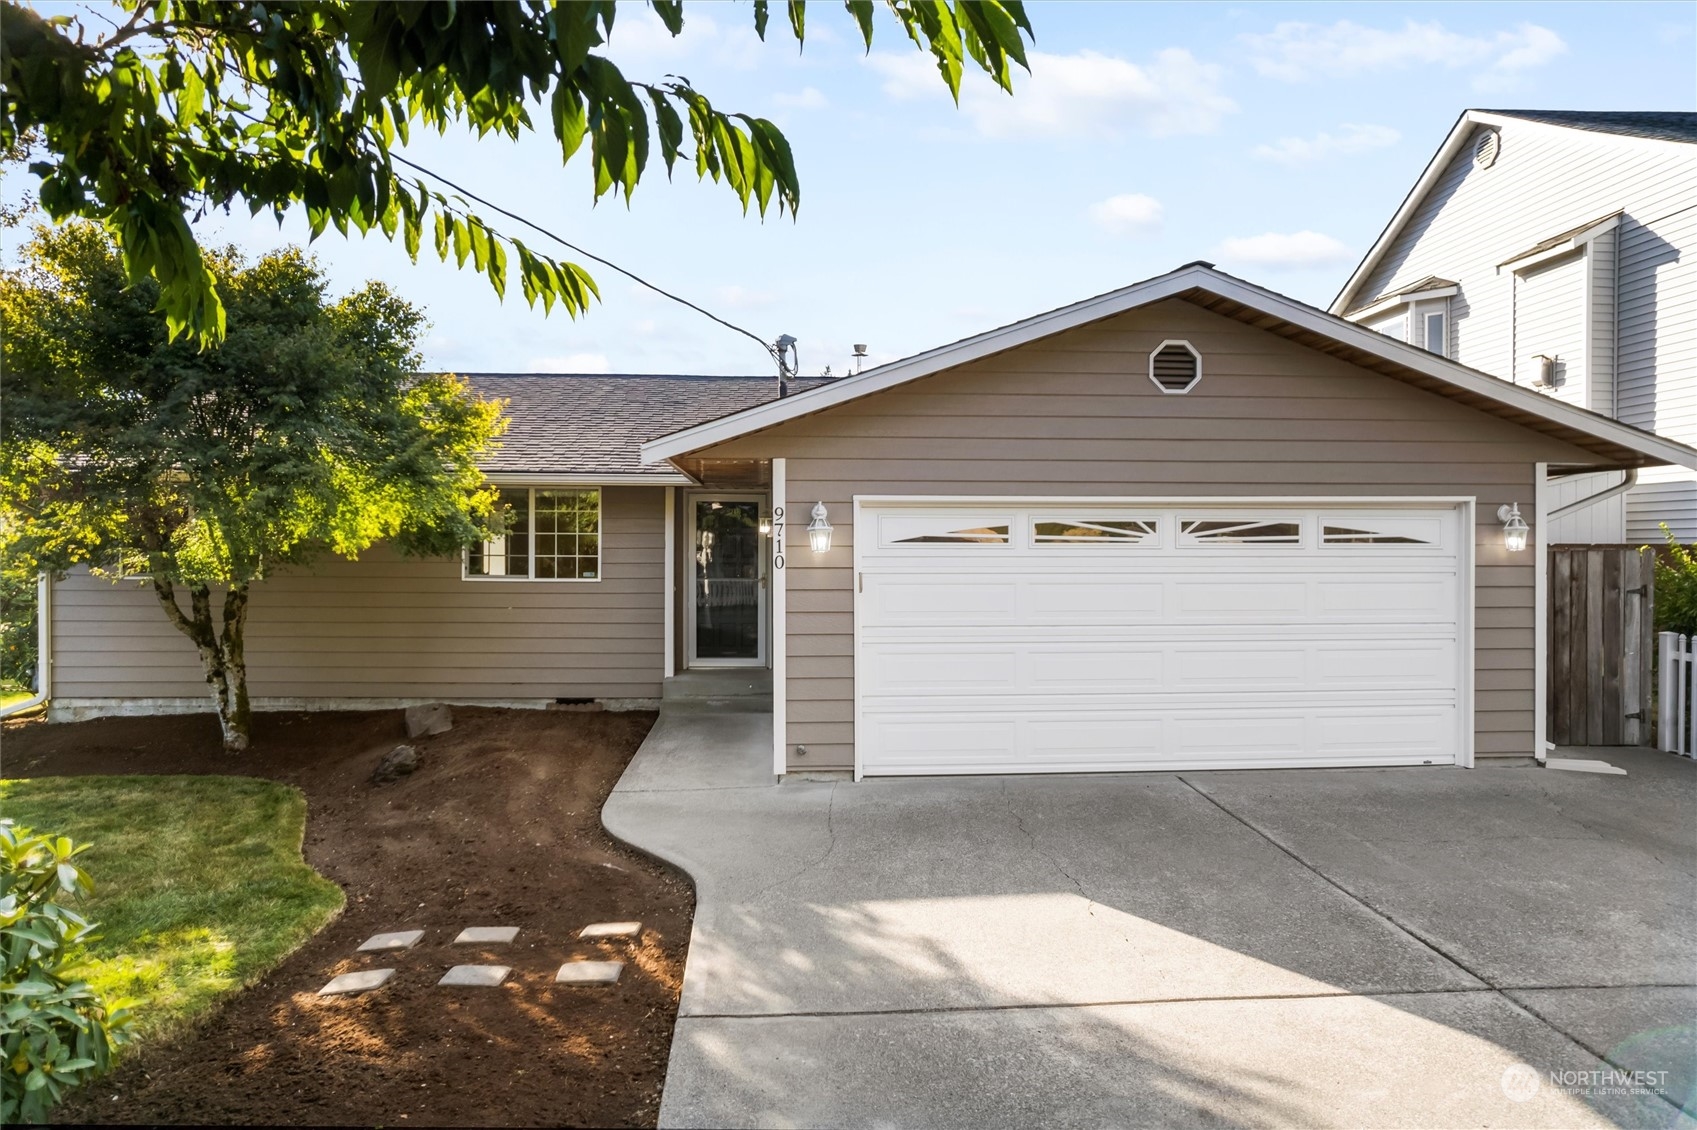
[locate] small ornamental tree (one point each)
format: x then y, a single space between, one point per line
304 433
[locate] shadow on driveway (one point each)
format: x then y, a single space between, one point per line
1317 947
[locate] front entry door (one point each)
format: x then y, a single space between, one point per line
727 607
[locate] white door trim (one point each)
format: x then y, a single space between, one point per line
1540 612
777 568
670 583
1465 505
763 586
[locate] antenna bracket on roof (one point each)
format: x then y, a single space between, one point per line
788 357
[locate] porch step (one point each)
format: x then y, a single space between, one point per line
742 687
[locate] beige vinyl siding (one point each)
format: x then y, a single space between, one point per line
387 626
1076 414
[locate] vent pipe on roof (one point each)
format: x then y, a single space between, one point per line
859 360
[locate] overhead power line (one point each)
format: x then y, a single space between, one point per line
563 242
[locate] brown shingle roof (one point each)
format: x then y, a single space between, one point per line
593 423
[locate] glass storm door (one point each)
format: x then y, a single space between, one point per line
727 611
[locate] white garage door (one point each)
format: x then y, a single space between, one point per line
1013 638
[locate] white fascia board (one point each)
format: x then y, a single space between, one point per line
1141 294
924 364
1533 258
545 479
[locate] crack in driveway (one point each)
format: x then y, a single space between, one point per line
830 847
1054 861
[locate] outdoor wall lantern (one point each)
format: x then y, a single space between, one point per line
819 530
1515 528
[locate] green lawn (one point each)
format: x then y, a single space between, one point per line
199 885
11 692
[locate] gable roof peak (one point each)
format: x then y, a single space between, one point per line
1615 444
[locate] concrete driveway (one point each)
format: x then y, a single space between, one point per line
1317 948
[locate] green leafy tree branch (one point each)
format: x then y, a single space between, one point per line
194 105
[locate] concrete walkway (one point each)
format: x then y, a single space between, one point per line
1319 948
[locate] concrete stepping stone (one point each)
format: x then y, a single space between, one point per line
589 973
361 981
397 940
611 930
476 976
487 936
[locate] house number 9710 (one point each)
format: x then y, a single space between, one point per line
777 537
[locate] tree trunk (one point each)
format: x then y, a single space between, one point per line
235 667
221 655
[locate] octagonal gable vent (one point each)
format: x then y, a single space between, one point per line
1486 148
1175 366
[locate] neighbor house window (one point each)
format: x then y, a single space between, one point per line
553 534
1437 333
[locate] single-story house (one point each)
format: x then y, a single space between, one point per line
1187 524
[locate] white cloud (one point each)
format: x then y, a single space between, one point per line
1278 251
1087 94
735 297
807 98
1350 138
1130 213
640 39
1295 51
570 363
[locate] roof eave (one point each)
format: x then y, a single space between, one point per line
1650 449
589 478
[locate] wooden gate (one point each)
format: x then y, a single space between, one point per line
1601 643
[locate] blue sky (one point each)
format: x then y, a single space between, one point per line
1273 139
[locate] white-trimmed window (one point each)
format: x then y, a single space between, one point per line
1394 326
1436 332
553 534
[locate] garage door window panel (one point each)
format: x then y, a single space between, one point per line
1239 531
906 530
1075 530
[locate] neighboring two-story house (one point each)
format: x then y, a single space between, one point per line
1558 250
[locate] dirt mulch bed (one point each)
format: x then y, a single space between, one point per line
500 826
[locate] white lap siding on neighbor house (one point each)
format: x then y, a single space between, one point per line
389 627
1641 304
1076 414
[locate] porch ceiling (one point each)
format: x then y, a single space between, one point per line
738 473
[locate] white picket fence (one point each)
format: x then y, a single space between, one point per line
1677 701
